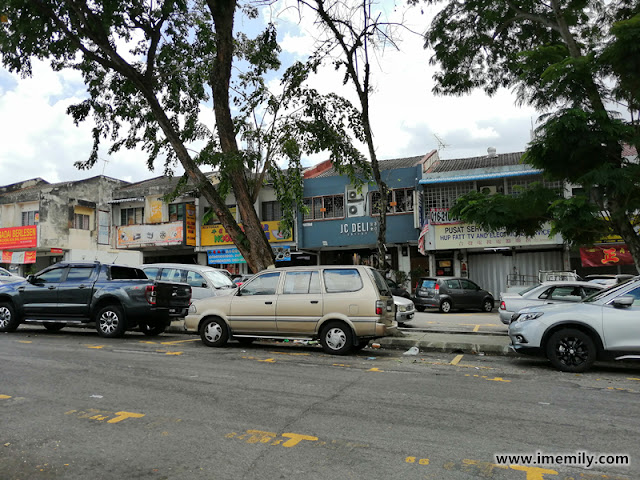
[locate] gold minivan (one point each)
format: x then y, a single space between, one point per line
341 306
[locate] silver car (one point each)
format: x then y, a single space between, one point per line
574 335
7 277
205 281
405 309
547 292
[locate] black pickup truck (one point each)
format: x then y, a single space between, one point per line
114 297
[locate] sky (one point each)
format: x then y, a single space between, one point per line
40 140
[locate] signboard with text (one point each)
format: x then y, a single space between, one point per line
605 255
18 257
139 235
465 235
232 255
19 237
190 224
217 234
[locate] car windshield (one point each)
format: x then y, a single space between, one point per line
427 283
526 290
219 280
605 293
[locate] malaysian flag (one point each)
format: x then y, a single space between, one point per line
421 239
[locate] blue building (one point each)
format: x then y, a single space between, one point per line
341 226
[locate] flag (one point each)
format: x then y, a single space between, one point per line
421 239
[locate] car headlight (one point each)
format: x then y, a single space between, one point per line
402 308
192 309
529 316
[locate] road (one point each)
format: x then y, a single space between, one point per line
466 321
76 406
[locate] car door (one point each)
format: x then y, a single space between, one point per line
39 296
299 306
74 291
199 286
455 292
253 307
621 326
472 293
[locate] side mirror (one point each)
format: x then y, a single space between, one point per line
30 278
624 301
204 285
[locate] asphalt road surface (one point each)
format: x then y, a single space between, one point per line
76 406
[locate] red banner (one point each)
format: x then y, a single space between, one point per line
18 257
19 237
605 255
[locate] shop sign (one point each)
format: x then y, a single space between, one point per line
57 251
233 255
440 216
605 255
358 228
18 257
190 224
19 237
217 234
141 235
467 235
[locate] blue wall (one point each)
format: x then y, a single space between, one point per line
357 231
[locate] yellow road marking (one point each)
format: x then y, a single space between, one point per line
25 341
268 360
4 397
95 346
173 353
340 365
124 415
290 353
375 370
456 360
476 328
631 378
175 342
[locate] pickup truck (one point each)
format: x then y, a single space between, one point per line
115 298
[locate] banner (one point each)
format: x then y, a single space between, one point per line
605 255
217 234
232 255
138 235
18 257
19 237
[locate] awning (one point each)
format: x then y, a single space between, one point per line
122 200
479 176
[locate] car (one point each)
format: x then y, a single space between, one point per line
7 277
448 293
205 281
405 309
572 336
240 279
397 289
547 292
608 280
343 307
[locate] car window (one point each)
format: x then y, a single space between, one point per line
527 290
218 278
590 291
469 285
79 274
51 276
566 293
452 283
265 284
342 280
635 293
611 291
4 273
546 293
428 283
151 272
196 280
302 282
171 275
381 283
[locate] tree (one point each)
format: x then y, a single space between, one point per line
572 61
352 30
151 67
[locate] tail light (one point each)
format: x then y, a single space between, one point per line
150 294
503 306
437 287
379 307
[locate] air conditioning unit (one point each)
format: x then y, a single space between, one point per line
354 196
490 190
355 210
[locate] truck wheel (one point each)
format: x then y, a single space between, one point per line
152 330
8 318
571 350
110 321
54 327
336 338
214 332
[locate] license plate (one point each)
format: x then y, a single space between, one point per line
410 315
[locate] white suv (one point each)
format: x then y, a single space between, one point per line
342 306
573 336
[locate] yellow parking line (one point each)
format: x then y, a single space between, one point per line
456 360
175 342
476 328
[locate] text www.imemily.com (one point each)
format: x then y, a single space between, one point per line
578 459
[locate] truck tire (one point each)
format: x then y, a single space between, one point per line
8 318
110 321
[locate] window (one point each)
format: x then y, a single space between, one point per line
29 218
79 274
302 282
176 212
400 200
171 275
342 280
265 284
444 196
196 280
469 285
151 272
324 208
210 217
51 276
271 211
131 216
80 221
455 284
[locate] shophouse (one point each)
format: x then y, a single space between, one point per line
341 225
42 223
461 249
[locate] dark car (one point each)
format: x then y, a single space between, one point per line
446 293
397 289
